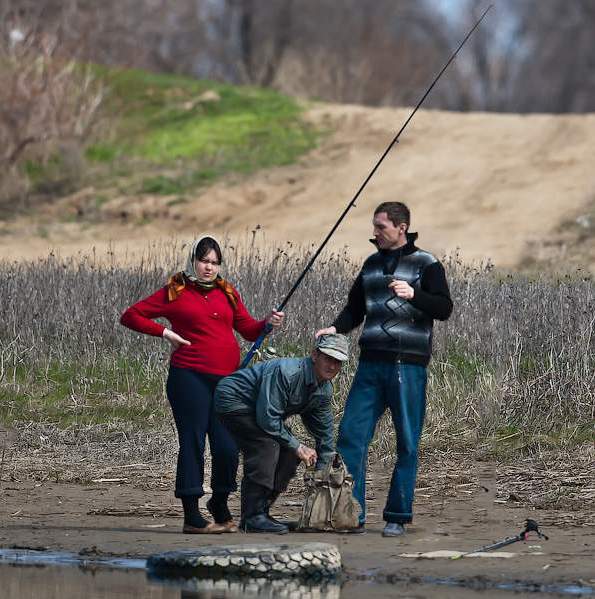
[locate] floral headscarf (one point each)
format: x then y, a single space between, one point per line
177 282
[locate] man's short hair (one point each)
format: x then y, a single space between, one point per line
397 212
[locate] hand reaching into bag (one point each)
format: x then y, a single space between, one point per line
307 455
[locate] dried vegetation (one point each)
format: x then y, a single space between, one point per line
49 105
512 379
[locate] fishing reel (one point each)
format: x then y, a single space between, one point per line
532 526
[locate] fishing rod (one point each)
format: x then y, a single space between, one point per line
530 526
268 328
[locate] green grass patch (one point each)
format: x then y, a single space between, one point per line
68 394
164 185
201 129
510 441
167 135
101 152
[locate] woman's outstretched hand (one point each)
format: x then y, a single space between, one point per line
174 339
275 319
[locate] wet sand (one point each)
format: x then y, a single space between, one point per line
81 518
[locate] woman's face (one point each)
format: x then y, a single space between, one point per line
207 267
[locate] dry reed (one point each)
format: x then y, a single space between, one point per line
514 365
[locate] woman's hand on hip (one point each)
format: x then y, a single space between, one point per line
275 319
174 339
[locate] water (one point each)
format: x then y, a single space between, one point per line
53 575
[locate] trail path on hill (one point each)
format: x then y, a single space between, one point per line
513 189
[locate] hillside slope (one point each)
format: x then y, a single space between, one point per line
517 190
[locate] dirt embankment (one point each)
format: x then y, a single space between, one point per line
509 188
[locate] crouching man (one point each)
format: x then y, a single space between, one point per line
254 403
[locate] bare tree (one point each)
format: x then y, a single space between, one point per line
558 71
264 33
530 56
379 52
45 99
382 52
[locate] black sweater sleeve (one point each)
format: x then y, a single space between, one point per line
353 313
433 295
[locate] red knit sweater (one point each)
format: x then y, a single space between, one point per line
205 318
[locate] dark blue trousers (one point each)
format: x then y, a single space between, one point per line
402 389
190 395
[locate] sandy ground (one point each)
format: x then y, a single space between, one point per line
508 188
82 518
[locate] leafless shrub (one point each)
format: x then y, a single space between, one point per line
516 358
528 56
48 102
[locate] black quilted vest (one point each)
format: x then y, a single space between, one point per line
393 326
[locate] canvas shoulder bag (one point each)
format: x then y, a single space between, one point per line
329 504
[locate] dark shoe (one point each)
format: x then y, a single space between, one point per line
358 530
261 523
210 529
292 525
393 529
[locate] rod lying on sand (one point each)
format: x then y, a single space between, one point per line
530 526
268 327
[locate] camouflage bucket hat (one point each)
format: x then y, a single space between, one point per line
336 346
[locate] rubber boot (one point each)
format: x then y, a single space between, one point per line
292 525
254 511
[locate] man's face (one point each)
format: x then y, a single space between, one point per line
388 237
326 368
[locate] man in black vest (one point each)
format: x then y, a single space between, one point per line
399 291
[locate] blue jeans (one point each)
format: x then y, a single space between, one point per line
376 386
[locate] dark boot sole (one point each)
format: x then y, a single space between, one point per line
264 532
254 529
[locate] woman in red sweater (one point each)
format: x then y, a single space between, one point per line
203 310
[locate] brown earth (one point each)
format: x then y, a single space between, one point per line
517 190
461 504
